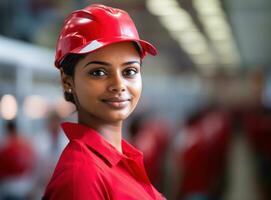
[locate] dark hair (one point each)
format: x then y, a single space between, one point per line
68 66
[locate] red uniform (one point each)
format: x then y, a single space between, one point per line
91 168
257 124
152 139
17 158
203 155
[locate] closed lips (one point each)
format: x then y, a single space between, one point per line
116 100
117 103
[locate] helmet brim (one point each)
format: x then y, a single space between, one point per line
144 46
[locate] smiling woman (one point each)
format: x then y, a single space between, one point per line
106 85
99 55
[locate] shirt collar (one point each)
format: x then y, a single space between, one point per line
96 142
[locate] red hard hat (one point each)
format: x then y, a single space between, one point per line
96 26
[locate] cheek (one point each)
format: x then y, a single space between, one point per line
87 91
136 89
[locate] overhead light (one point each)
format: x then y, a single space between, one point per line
216 26
178 22
208 7
214 22
189 36
64 108
160 11
219 34
35 107
8 107
181 27
194 48
158 7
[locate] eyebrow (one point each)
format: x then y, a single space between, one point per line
108 64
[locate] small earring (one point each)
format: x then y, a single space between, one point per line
70 90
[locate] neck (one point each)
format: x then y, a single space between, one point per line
111 132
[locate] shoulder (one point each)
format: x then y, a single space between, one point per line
76 153
78 175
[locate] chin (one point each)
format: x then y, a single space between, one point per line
116 117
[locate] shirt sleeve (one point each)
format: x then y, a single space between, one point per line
78 182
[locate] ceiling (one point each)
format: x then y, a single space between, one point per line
251 25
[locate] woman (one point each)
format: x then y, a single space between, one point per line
99 55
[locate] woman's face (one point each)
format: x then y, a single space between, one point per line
107 83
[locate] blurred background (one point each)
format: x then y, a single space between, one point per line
204 120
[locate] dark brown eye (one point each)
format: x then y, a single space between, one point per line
98 73
130 72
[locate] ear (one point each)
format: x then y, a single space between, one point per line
66 81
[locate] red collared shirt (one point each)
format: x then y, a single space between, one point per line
90 168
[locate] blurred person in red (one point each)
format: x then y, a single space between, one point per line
200 153
151 136
17 160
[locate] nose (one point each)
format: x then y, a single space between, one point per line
117 84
